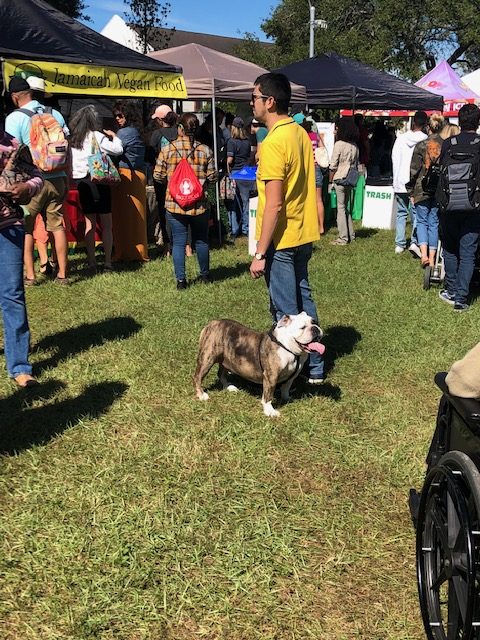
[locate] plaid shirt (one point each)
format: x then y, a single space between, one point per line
202 163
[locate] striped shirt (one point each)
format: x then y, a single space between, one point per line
202 163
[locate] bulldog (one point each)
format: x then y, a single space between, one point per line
271 358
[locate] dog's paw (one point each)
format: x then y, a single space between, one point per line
203 395
231 387
269 411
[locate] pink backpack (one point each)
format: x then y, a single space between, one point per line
48 144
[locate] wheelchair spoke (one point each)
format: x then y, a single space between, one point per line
440 528
461 593
441 578
453 522
453 615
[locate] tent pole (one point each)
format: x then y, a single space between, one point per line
215 156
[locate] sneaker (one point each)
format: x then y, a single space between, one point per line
205 279
399 250
446 297
181 284
314 380
461 306
415 250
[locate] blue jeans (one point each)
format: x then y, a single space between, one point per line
403 206
179 224
16 334
427 223
238 213
286 275
460 236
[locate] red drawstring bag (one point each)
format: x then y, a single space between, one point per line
184 186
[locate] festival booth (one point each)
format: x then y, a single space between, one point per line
73 59
212 75
442 81
337 82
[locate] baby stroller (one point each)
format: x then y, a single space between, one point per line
434 275
446 515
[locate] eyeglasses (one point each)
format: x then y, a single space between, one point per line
118 115
257 97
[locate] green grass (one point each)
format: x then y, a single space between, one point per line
131 511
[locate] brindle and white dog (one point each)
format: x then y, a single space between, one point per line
272 358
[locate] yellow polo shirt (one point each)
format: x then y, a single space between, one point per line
286 155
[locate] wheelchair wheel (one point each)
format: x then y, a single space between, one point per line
448 549
427 272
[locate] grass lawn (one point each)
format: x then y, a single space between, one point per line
131 511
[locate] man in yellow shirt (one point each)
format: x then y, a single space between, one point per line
287 222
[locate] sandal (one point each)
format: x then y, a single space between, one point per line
24 380
29 282
46 269
425 263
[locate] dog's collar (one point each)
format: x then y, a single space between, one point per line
273 338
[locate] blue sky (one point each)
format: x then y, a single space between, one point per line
210 16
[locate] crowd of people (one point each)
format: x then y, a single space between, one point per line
293 174
436 180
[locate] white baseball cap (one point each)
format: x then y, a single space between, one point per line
37 84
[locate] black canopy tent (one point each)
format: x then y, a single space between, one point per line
33 29
73 59
336 82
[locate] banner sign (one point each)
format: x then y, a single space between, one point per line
99 81
450 109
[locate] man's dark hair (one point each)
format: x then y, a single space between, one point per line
277 86
469 117
420 120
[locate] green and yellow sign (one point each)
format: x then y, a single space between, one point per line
100 81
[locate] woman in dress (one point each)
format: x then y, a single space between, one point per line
200 158
95 199
129 197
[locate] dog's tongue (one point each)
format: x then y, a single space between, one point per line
316 346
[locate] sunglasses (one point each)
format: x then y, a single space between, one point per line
118 115
258 97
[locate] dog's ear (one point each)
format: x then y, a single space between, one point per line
284 321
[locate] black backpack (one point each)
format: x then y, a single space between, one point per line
458 187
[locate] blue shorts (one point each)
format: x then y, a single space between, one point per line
319 176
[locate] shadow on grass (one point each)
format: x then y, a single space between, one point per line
85 336
365 232
299 389
339 341
23 426
226 273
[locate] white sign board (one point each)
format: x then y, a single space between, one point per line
379 208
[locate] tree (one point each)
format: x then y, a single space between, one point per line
73 8
406 39
149 18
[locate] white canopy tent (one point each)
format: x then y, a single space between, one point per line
472 80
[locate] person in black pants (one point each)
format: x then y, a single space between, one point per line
460 230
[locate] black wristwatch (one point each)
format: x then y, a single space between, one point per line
259 256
